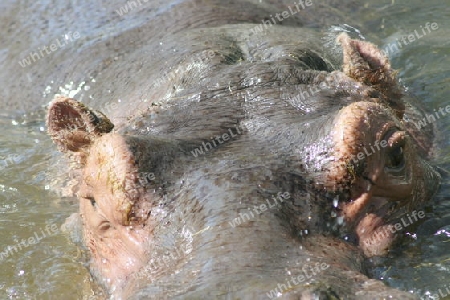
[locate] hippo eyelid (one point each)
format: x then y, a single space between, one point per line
104 225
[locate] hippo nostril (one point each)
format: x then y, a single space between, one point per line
396 158
93 202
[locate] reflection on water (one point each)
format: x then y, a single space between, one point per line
49 267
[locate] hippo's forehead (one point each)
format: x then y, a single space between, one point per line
285 93
226 60
293 94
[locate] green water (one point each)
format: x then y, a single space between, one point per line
48 266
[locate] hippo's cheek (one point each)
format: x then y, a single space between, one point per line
116 251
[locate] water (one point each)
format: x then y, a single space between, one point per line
47 266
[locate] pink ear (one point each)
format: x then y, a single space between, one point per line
73 126
366 63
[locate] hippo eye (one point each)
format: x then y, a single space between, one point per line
93 202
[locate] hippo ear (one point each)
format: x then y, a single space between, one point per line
73 126
364 62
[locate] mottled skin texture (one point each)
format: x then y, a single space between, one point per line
302 146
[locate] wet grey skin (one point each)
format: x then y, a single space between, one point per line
156 214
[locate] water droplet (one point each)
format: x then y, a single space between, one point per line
412 235
443 231
336 201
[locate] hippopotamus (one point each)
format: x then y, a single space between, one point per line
249 165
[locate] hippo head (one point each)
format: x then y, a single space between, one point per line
351 165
